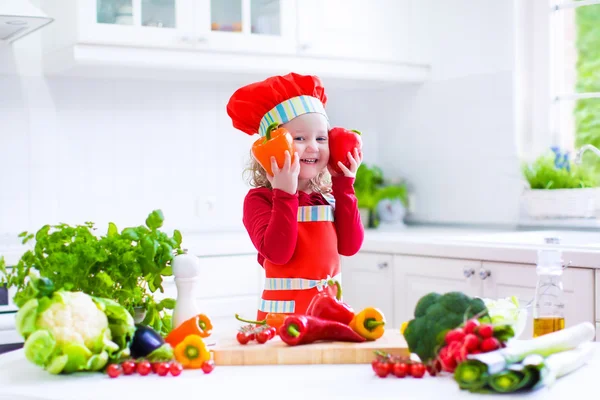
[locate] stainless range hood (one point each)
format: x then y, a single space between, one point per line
19 18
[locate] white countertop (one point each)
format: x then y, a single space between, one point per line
21 380
581 248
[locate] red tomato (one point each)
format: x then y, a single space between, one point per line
175 369
208 366
242 337
341 142
273 332
417 370
400 369
162 368
144 367
113 370
263 336
382 369
128 367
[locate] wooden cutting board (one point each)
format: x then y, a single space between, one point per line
275 351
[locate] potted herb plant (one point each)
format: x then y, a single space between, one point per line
371 188
559 188
127 266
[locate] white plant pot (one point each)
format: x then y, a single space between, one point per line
364 216
562 203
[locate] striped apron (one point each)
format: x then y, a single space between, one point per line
289 288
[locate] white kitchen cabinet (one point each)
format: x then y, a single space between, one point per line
367 282
227 285
507 279
416 276
356 29
255 26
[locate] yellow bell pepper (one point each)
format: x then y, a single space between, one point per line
369 323
403 327
191 352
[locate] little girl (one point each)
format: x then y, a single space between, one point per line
298 222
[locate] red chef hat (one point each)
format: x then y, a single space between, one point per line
254 107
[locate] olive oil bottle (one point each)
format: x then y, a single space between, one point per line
541 326
549 305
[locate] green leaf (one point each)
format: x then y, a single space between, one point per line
130 234
39 347
177 237
112 229
168 304
155 220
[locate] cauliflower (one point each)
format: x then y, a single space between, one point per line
77 320
72 331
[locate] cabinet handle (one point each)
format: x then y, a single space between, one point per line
201 39
382 265
484 273
186 39
303 46
468 272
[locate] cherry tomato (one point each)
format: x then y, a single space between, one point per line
272 331
208 366
175 369
262 336
242 337
382 369
144 367
113 370
154 367
417 370
470 325
400 369
128 367
162 369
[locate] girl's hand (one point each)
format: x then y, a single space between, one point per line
286 178
355 161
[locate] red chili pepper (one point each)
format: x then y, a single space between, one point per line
305 329
332 308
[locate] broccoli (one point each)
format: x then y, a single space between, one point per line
435 314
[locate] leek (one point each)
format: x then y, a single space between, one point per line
530 364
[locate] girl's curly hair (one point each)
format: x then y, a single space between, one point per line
257 177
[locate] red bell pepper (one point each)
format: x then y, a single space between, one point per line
332 308
341 142
305 329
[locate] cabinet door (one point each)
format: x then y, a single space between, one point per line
250 26
355 29
146 23
227 285
519 280
414 277
367 282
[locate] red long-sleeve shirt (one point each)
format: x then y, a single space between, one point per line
270 217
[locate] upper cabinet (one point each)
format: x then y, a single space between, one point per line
356 29
348 39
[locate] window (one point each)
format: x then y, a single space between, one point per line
559 75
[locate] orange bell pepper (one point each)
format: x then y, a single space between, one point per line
198 325
274 144
191 352
272 319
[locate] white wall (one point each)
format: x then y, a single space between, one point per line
81 149
455 137
76 149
